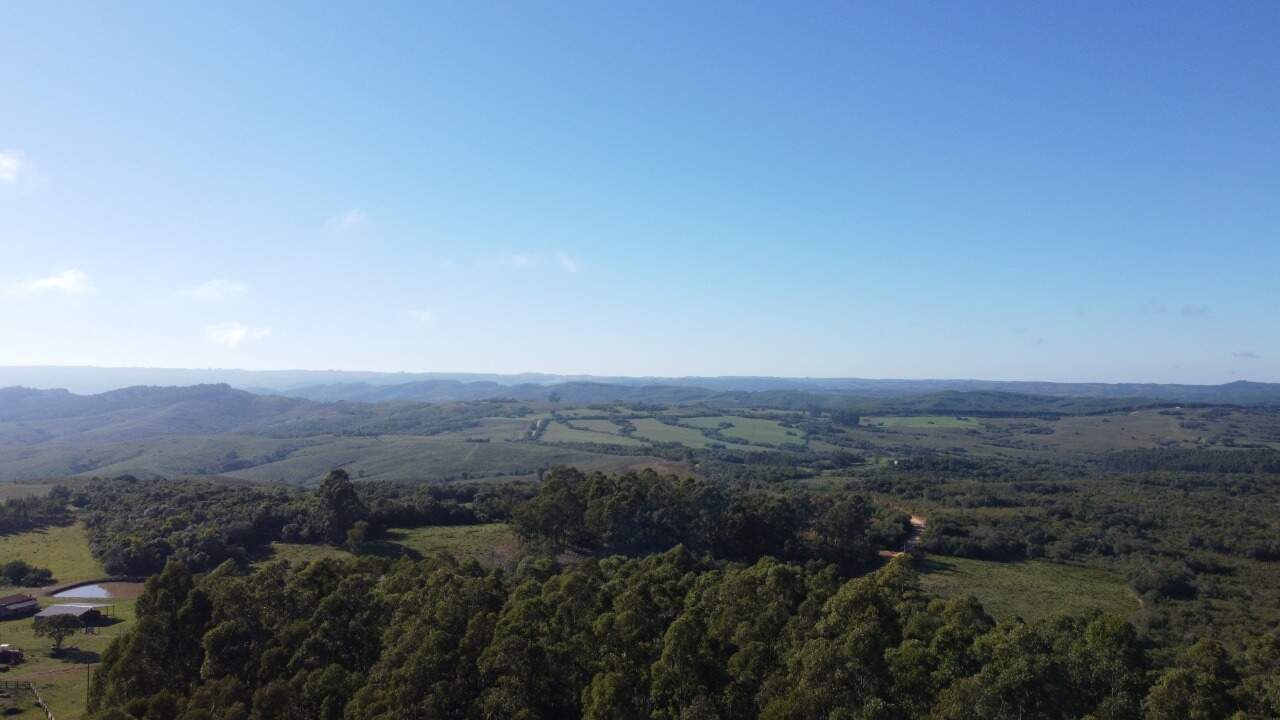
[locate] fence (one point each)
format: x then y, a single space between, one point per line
18 685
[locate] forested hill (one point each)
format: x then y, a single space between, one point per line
207 408
220 408
37 416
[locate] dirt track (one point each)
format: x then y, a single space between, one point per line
918 526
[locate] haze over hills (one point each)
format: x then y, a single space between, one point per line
486 429
330 385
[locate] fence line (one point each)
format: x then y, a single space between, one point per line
19 685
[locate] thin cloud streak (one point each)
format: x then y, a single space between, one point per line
232 334
67 282
216 290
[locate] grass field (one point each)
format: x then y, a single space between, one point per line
490 545
600 426
297 553
911 422
651 429
60 680
1030 590
559 432
751 430
64 550
9 491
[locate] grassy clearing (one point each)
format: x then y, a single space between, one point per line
559 432
11 490
586 412
651 429
751 430
491 544
1031 590
494 429
64 550
600 426
920 422
60 680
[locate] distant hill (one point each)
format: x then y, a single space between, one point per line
466 429
330 385
576 392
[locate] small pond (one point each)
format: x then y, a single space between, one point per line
123 590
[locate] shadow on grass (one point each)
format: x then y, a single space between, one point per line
389 548
383 547
75 655
933 565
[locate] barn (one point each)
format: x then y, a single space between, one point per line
12 606
87 614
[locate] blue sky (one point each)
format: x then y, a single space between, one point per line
1065 191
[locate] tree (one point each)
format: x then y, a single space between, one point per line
57 628
1197 688
357 535
340 507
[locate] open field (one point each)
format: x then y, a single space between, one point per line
1032 589
656 431
559 432
8 491
600 426
487 544
750 430
490 545
922 421
64 550
296 553
60 680
403 457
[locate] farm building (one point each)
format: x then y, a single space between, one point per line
88 614
11 655
12 606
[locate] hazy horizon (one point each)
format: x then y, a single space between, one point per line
1071 194
353 375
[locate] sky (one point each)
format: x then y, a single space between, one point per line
1043 191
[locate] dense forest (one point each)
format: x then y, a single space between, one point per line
745 584
136 526
664 636
27 513
639 513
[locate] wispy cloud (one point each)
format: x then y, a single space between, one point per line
567 263
10 165
216 290
232 334
1194 310
521 259
67 282
1246 355
349 220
